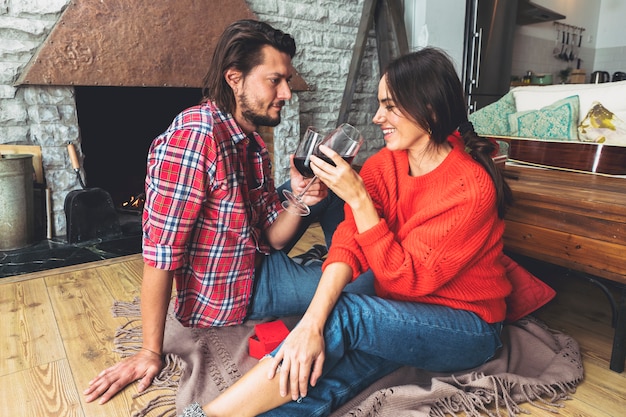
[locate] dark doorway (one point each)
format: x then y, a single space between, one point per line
117 126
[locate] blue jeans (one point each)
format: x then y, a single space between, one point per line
368 337
284 288
328 212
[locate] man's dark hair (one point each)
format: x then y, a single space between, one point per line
240 47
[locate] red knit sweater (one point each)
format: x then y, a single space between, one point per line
439 240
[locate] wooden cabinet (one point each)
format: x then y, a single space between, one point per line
571 219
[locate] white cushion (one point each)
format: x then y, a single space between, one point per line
611 95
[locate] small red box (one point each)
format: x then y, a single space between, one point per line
266 338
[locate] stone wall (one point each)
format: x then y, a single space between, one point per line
325 33
44 116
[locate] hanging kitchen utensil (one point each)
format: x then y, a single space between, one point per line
574 56
89 213
580 40
556 49
562 55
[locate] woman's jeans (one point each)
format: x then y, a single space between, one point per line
368 337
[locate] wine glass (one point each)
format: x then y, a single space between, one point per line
301 160
345 140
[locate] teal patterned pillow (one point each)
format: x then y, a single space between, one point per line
493 119
556 121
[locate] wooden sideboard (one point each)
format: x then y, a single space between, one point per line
575 220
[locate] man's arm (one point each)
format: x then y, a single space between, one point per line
286 225
156 290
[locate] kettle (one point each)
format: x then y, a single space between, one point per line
619 76
600 77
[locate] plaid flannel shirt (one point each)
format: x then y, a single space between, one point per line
209 196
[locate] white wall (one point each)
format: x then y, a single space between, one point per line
610 42
611 32
439 23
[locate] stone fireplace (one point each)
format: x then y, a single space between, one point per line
104 69
129 79
117 125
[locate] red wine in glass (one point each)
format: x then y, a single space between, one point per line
345 140
303 166
326 159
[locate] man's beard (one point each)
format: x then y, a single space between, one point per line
256 118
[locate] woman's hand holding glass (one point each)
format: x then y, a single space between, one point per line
340 177
345 140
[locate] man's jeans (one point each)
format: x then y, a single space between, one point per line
368 337
284 288
328 212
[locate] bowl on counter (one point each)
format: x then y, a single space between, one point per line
541 79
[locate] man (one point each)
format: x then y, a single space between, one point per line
213 222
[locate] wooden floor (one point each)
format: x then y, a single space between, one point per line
57 331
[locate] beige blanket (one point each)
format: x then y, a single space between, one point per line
536 365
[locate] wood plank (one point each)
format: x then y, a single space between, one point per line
82 305
314 235
385 41
367 18
574 220
580 253
28 335
124 279
611 387
396 13
81 301
584 191
582 310
44 390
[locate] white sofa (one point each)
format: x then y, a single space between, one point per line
583 112
611 95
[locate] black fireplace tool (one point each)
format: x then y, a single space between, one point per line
89 212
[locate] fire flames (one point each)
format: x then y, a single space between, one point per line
134 203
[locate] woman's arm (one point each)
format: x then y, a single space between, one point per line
348 186
300 358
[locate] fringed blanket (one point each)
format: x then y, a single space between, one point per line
536 365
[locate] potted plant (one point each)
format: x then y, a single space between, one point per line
564 74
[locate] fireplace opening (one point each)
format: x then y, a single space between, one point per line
117 126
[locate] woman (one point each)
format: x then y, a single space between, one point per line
426 219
